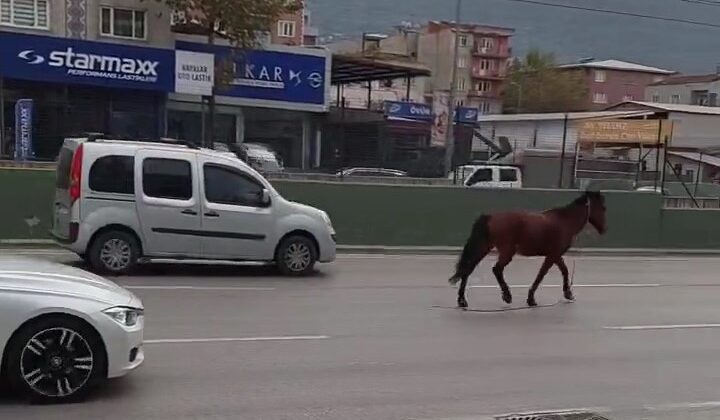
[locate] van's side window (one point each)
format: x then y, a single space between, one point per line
113 174
227 186
508 175
481 175
167 178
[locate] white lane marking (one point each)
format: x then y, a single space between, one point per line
453 257
492 286
660 327
562 411
683 406
238 288
236 339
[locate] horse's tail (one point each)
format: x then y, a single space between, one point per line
479 236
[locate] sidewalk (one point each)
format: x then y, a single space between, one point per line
44 244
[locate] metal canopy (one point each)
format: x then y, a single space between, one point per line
353 69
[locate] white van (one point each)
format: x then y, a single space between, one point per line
119 202
491 176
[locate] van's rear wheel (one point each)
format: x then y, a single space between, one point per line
114 252
296 256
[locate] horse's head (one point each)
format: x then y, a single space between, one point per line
596 210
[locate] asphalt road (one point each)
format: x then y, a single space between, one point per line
361 340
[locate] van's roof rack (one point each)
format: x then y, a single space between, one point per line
93 137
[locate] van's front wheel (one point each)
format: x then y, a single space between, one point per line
114 253
296 256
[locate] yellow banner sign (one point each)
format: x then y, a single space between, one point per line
624 131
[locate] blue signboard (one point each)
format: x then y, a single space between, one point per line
72 61
409 110
23 129
423 112
279 78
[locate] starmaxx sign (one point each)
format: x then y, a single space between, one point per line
288 78
74 61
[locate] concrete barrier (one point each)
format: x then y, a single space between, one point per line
391 215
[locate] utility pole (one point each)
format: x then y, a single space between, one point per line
450 139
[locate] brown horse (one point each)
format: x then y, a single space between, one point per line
549 234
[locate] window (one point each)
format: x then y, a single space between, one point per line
122 23
463 41
656 98
600 98
461 84
508 175
167 178
286 29
486 43
481 175
462 62
25 13
600 76
483 86
675 99
486 65
113 174
62 171
459 103
228 186
628 98
485 108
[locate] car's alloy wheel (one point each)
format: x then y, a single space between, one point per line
116 255
56 362
55 359
296 256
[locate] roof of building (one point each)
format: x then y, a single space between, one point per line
698 157
688 109
472 27
359 67
618 65
549 116
687 79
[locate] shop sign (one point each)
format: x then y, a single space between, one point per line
72 61
624 131
290 78
424 112
194 73
23 129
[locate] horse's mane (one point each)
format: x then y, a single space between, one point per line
580 201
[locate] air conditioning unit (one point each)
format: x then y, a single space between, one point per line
484 50
177 18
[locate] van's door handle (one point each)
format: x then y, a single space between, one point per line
190 212
212 214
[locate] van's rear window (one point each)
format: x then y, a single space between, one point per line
62 181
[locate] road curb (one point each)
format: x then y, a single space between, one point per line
422 250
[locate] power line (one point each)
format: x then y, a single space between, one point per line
621 13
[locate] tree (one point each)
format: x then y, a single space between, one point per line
241 23
536 84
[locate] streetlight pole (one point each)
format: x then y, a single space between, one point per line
450 139
519 93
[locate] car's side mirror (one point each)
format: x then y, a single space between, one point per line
265 197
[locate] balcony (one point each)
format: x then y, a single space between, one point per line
485 94
487 74
491 52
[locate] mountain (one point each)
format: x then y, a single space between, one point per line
570 34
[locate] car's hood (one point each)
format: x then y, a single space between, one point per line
45 277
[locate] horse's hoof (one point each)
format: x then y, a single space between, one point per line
507 298
462 303
532 303
569 295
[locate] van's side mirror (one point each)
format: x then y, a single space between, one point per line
265 197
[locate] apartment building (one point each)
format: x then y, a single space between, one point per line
482 64
613 81
134 68
699 89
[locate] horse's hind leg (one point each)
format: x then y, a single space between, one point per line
503 260
567 291
540 276
465 272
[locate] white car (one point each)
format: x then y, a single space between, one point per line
64 330
121 202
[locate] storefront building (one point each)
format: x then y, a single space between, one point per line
278 96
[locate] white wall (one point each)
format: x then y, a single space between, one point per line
695 130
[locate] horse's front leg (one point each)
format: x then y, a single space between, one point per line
503 260
540 276
567 291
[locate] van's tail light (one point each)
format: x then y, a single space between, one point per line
76 174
